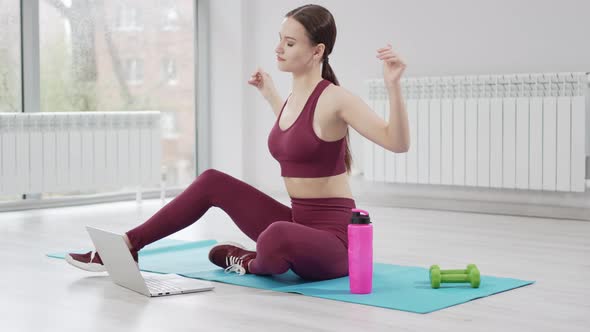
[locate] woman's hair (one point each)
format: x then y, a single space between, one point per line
321 29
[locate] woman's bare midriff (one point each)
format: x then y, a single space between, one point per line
326 187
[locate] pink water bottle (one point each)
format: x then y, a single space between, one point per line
360 252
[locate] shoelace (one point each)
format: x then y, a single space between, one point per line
92 256
234 264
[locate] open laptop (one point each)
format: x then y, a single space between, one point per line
125 272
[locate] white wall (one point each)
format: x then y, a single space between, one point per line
226 86
454 37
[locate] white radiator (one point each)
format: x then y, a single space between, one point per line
78 151
521 131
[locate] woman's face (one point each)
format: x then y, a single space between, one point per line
294 51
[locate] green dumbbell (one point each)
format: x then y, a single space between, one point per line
470 275
466 271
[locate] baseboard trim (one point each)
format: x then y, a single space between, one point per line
458 205
46 203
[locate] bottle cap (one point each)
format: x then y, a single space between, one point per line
360 217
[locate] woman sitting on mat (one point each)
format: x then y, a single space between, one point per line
310 141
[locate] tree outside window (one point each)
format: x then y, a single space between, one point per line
10 64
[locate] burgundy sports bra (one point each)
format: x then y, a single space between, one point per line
299 151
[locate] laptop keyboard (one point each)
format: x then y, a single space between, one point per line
161 286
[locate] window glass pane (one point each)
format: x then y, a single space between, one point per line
10 64
111 55
10 56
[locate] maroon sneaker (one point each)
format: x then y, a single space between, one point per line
232 257
91 261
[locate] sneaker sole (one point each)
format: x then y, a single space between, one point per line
92 267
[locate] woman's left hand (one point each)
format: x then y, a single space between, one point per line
393 65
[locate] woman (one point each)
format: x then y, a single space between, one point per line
310 141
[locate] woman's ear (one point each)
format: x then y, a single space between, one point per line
319 51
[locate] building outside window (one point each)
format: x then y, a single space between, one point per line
128 18
169 71
171 17
134 71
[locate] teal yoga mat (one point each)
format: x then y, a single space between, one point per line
398 287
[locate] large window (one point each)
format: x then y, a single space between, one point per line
10 63
112 55
107 56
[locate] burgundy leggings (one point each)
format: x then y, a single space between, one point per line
310 238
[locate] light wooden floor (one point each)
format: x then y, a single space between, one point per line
43 294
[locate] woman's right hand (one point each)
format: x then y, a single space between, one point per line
263 82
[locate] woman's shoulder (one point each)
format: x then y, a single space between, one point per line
337 96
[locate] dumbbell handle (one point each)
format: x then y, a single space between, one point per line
453 272
454 278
